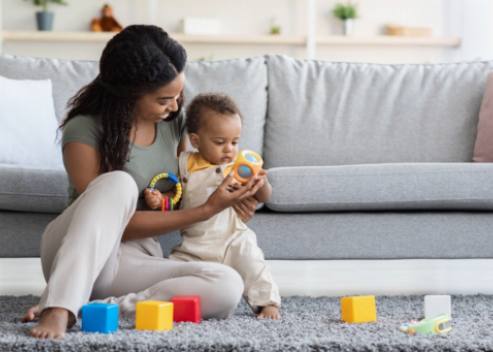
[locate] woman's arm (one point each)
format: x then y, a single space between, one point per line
152 223
82 164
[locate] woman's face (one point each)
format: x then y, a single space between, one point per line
158 105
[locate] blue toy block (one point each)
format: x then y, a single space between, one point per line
100 317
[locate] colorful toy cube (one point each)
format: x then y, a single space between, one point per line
154 315
358 309
436 305
100 317
186 308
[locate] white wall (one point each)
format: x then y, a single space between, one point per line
467 18
473 21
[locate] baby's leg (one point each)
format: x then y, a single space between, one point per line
261 291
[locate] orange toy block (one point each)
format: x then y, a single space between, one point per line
358 309
154 315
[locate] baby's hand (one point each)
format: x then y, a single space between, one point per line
153 198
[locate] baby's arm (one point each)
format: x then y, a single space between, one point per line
153 198
264 193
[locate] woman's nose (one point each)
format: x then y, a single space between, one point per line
174 105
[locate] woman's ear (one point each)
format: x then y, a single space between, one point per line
194 140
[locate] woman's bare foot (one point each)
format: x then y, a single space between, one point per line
31 314
52 324
269 312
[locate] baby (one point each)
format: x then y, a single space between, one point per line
214 127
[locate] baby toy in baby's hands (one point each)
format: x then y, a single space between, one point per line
247 164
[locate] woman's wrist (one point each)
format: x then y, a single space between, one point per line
206 211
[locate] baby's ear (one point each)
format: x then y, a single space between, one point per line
194 139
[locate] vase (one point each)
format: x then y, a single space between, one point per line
44 20
347 27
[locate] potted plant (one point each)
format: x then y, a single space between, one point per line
346 13
44 18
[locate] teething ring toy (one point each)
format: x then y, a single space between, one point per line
167 202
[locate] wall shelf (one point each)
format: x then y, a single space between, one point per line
386 40
91 37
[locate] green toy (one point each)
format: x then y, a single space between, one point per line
439 325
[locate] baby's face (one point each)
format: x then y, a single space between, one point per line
217 138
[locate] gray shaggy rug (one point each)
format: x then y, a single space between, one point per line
308 324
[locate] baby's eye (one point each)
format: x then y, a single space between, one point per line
218 142
235 143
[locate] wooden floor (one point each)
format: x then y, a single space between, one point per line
19 276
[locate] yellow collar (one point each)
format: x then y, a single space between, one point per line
196 163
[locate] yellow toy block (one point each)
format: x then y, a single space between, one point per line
358 309
154 315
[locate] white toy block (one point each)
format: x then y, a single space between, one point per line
436 305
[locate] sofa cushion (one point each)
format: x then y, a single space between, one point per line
483 147
419 186
67 76
245 80
29 131
32 190
323 113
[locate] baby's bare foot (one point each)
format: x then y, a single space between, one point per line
31 314
269 312
52 324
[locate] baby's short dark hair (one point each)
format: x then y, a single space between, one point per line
217 102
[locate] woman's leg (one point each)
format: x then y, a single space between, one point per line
82 243
142 276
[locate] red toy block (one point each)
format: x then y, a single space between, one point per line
186 308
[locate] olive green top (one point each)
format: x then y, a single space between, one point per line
144 162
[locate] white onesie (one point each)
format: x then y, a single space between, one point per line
224 238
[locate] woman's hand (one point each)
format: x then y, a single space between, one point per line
246 208
230 192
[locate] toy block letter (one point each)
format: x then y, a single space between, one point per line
100 317
154 315
358 309
186 308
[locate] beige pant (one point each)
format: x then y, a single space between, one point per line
243 255
83 258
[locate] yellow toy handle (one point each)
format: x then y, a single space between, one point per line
247 164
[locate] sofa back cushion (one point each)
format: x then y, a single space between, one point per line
243 79
323 113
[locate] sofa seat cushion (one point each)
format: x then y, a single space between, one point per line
33 190
367 187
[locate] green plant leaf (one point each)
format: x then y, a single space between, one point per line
345 11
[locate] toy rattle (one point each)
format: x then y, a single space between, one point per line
168 203
247 164
439 325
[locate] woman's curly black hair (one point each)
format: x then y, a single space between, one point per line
135 62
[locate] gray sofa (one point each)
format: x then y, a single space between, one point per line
366 161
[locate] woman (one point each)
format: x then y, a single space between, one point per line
122 129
